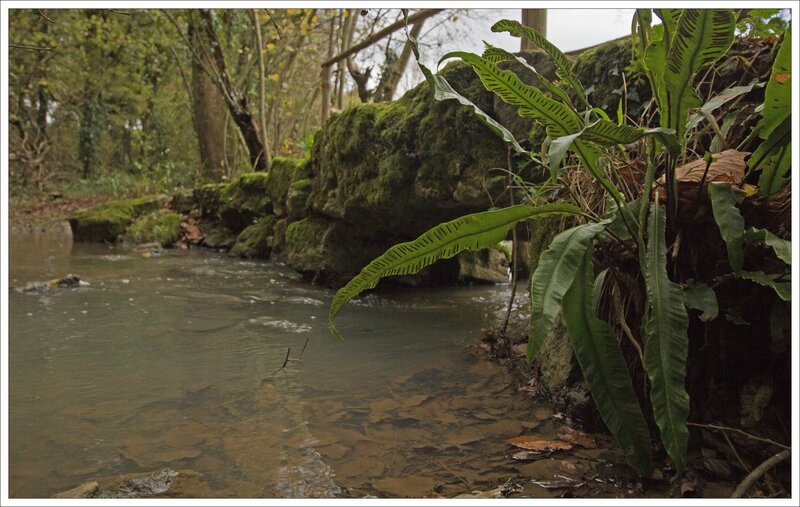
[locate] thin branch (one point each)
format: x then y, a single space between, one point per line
42 14
759 471
277 30
743 433
32 48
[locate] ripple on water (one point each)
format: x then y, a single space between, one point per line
284 325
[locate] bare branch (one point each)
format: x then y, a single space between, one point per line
32 48
42 14
277 30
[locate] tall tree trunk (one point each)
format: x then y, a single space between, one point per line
209 113
389 82
234 98
536 19
262 110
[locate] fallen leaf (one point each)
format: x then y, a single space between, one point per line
782 77
539 444
727 165
576 437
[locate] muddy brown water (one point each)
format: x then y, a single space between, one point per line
175 361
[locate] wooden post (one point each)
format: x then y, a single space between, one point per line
536 19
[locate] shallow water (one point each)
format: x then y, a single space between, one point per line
175 361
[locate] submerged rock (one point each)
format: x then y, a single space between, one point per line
139 486
109 221
67 282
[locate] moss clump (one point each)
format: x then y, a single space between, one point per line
162 227
254 242
108 221
216 235
426 157
244 200
298 199
281 174
183 201
600 70
305 244
208 198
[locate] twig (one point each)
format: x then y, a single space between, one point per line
42 14
304 348
743 433
277 30
288 351
736 453
32 48
759 471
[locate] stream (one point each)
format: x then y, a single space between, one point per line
175 361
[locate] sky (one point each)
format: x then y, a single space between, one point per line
568 29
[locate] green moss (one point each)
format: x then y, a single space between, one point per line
298 199
305 244
600 71
244 200
108 221
419 155
209 198
162 227
255 240
281 175
183 201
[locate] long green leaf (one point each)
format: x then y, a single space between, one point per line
608 133
557 118
773 157
496 55
563 65
604 368
778 96
782 288
781 247
553 277
702 36
667 346
443 91
470 232
730 222
719 100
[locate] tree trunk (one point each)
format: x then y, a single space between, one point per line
388 85
262 110
536 19
234 98
209 113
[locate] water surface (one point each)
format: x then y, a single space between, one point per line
176 361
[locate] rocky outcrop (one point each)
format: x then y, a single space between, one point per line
109 221
379 174
161 226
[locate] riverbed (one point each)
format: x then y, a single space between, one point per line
223 370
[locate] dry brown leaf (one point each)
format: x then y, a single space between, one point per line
728 165
539 444
191 233
576 437
782 77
